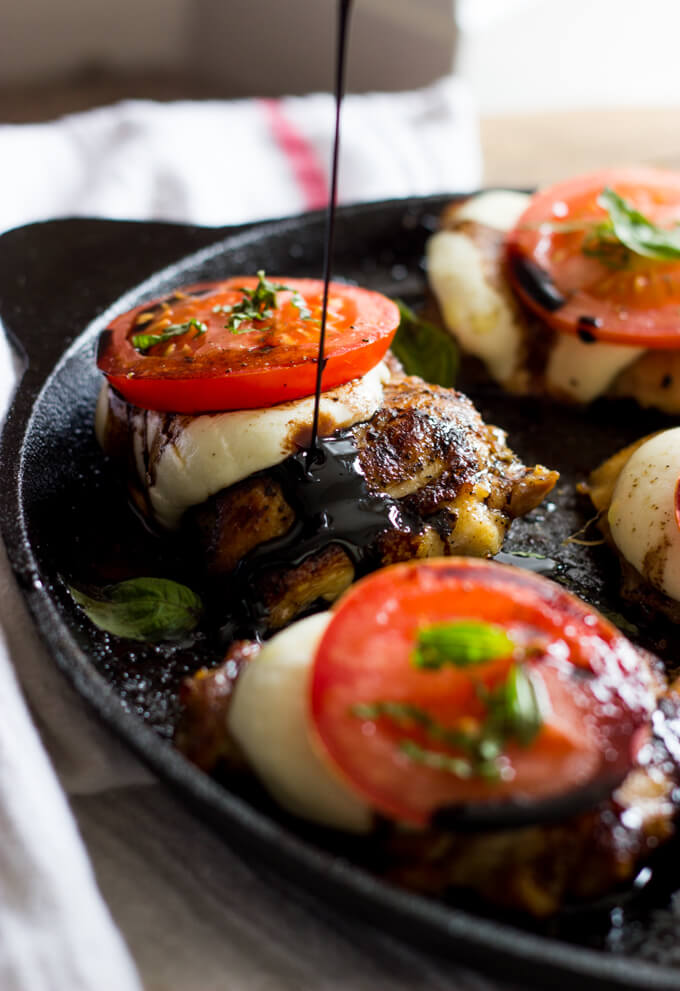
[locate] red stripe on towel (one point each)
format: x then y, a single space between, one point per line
301 154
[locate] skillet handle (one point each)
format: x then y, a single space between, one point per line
80 267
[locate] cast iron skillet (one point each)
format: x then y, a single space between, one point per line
64 520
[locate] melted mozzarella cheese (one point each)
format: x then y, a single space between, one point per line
480 317
485 322
268 719
584 370
642 515
183 460
498 208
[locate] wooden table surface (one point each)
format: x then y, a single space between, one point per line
535 149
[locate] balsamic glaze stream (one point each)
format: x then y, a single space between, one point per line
343 26
324 485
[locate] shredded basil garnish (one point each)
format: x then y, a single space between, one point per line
628 232
513 713
458 766
258 304
144 342
513 710
461 643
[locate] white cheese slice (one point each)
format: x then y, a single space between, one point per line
584 370
268 719
480 318
642 515
498 208
193 457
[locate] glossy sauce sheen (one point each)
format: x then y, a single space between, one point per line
537 283
341 43
332 505
324 485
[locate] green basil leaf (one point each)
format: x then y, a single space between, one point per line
149 609
259 304
424 349
461 643
459 767
143 342
636 232
514 710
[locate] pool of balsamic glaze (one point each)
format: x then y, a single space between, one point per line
327 491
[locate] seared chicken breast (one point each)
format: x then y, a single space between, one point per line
537 869
534 869
451 480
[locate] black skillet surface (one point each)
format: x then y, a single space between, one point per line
64 519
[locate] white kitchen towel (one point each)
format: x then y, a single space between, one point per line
209 163
55 930
218 163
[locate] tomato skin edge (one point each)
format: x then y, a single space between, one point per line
222 379
654 326
394 804
207 395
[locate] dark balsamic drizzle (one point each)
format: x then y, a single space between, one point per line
517 813
536 282
332 505
324 484
343 25
585 333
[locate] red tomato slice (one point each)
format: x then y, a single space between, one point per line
267 362
593 691
637 303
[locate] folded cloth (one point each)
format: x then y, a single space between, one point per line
55 931
208 163
227 163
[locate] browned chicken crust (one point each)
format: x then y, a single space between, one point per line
428 448
538 868
535 869
202 733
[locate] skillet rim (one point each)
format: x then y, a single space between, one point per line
463 936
